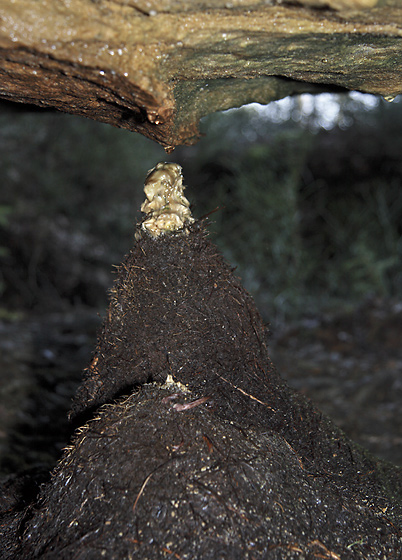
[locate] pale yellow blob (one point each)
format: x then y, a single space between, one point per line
166 206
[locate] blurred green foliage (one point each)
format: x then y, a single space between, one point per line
74 187
310 213
311 217
57 165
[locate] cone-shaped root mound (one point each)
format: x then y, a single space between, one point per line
207 453
176 309
158 476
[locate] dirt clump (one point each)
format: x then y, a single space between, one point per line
195 447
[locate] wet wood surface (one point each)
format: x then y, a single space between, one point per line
158 67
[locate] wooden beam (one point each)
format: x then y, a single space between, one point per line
157 67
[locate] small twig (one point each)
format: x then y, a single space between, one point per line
142 490
146 482
180 407
245 393
328 553
211 212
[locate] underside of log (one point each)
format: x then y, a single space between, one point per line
157 67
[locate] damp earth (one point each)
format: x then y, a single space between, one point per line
183 426
349 364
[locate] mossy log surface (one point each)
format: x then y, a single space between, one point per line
157 67
206 453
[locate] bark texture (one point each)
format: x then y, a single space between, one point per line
157 67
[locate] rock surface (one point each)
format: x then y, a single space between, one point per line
158 67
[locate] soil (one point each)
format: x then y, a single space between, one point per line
179 483
348 364
185 352
41 361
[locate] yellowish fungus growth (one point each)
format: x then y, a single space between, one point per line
166 206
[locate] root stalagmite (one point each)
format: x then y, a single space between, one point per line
195 447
